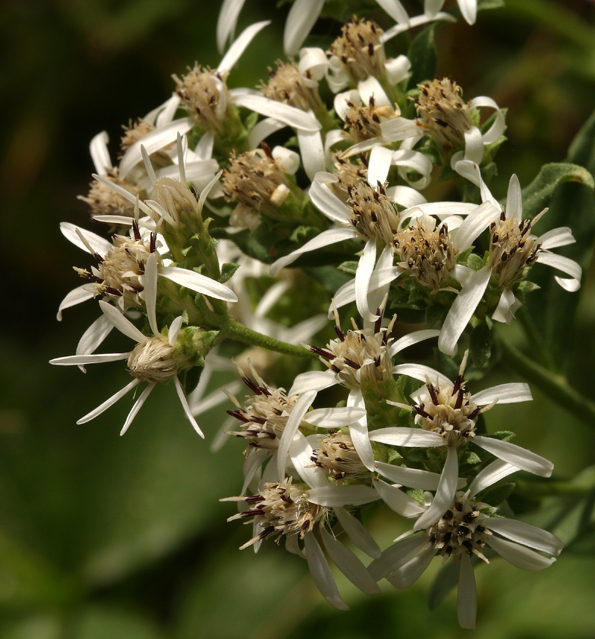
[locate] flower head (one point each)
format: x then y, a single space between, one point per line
337 457
286 84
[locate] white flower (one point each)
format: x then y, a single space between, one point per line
154 359
468 8
463 528
447 414
512 248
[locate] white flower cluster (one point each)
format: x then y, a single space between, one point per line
349 193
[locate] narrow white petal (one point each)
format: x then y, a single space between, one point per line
349 564
395 10
262 130
312 152
271 297
301 453
252 465
370 88
397 500
108 402
357 532
137 406
410 477
519 556
312 381
443 209
414 22
327 202
320 571
332 236
291 428
100 153
98 244
409 437
186 408
150 290
503 394
413 338
395 129
174 330
199 283
290 115
491 474
407 159
334 417
122 323
239 46
514 199
497 128
94 336
564 264
431 7
306 329
467 592
462 310
204 148
167 111
78 360
379 279
396 556
154 141
508 305
473 146
406 196
302 17
397 69
412 570
421 372
561 236
76 296
314 60
379 165
200 405
358 431
363 274
474 225
526 534
444 494
342 495
515 455
227 21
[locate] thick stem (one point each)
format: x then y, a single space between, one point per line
554 386
235 330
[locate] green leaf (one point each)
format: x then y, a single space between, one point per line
480 344
423 56
227 271
475 262
349 267
495 495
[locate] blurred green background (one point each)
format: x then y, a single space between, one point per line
105 537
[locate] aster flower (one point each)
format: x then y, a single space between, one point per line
446 414
153 360
513 248
464 527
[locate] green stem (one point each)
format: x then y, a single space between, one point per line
554 386
239 332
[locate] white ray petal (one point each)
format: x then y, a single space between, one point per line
397 500
467 592
357 532
174 330
300 453
363 274
474 225
412 570
302 17
108 402
515 455
491 474
358 431
204 148
166 112
76 296
396 129
405 196
395 10
290 115
396 556
514 199
526 534
312 152
98 244
122 323
94 336
153 141
293 423
410 477
186 408
370 88
252 465
519 556
414 22
561 236
431 7
566 265
332 236
312 381
320 571
462 310
379 165
497 128
88 358
508 305
262 130
342 495
397 69
227 21
409 437
413 338
239 46
421 372
349 564
334 417
503 394
380 278
444 494
199 283
328 203
150 291
137 406
100 154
